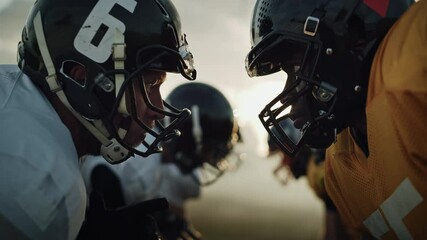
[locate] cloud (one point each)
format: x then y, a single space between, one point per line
4 4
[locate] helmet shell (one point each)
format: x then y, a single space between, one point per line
214 117
83 32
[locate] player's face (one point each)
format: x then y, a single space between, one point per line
150 84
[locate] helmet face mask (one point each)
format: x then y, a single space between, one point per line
117 121
306 101
114 43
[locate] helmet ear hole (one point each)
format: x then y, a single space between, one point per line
74 71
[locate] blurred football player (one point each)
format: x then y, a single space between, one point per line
203 152
356 84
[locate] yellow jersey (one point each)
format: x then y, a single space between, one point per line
385 194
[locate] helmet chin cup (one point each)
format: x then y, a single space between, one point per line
114 152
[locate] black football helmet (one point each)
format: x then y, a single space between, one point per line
326 48
207 137
115 42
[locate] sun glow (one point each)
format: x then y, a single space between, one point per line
250 101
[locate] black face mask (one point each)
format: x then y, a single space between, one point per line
303 112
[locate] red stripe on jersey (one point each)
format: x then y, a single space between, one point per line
379 6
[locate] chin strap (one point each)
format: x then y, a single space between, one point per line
119 57
111 150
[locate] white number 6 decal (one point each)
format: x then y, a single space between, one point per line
98 17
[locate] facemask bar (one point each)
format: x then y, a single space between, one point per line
274 118
166 133
271 116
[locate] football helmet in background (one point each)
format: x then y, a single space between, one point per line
114 42
325 47
207 137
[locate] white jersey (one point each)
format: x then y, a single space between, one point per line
179 187
42 192
139 178
147 178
